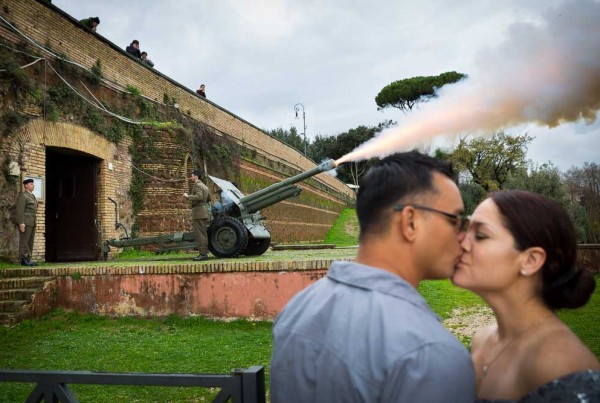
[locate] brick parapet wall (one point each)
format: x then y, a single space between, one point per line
46 24
216 266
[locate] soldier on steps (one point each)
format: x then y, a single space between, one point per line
26 210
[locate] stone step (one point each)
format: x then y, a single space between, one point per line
23 282
23 272
13 306
18 294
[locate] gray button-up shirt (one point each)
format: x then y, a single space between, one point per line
362 334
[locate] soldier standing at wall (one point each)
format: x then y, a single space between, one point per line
26 209
199 199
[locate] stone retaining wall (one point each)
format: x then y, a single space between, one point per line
250 289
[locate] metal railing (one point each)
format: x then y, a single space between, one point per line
241 386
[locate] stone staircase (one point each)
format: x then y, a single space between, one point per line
16 294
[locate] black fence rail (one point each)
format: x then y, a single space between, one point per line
241 386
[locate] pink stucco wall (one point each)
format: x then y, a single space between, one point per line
233 294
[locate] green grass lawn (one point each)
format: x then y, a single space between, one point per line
585 321
64 341
443 297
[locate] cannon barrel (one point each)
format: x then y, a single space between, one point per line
272 198
271 190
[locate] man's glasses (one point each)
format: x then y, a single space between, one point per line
461 222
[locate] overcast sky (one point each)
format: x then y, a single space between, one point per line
259 58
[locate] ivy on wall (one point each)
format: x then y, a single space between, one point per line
219 152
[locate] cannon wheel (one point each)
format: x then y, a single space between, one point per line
227 237
257 247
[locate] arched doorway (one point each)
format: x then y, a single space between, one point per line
71 205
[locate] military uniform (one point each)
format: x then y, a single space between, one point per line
26 209
199 199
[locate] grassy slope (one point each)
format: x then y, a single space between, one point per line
344 231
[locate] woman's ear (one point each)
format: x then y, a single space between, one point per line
532 260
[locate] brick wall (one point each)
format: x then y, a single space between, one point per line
306 218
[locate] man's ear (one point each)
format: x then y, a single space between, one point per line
532 260
407 223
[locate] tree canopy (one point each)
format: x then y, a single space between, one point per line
407 93
290 137
583 188
490 160
544 179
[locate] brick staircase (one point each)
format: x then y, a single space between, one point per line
16 294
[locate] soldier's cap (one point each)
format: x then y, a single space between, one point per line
26 181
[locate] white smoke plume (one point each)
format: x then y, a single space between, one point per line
548 73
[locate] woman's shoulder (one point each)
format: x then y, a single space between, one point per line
559 350
556 353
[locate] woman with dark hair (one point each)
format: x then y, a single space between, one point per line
519 256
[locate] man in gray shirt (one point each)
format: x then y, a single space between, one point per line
363 333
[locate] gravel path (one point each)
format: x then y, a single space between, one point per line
464 322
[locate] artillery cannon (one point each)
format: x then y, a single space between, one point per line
236 227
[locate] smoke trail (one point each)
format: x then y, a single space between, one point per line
547 73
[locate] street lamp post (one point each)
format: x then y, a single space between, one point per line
297 108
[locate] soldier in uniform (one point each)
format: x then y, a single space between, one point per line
26 209
199 199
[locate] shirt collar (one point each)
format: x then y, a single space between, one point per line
375 279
